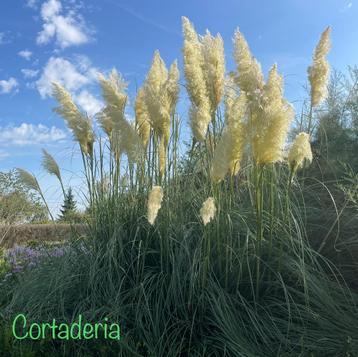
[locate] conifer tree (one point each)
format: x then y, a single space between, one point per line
69 209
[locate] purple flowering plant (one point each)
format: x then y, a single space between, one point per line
20 258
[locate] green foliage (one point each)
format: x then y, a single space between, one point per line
336 137
69 211
330 183
17 204
179 288
3 265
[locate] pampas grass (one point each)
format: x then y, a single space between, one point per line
80 125
200 115
300 151
50 165
30 181
154 203
159 96
124 137
208 210
318 72
142 117
224 267
249 77
270 122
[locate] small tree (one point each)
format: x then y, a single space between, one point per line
18 204
68 211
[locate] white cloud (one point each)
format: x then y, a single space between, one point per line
31 3
29 73
30 134
64 72
75 76
7 86
90 104
67 30
50 9
25 54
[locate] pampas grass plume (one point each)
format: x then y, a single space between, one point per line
154 203
222 157
300 151
208 210
50 164
173 85
142 117
318 72
272 121
195 81
29 180
250 78
229 150
80 125
214 67
159 94
124 137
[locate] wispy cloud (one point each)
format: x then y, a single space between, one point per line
346 7
4 38
8 86
66 29
3 154
26 54
32 3
29 73
30 134
144 19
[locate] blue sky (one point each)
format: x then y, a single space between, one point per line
71 40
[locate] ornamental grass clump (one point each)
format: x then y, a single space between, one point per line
223 266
